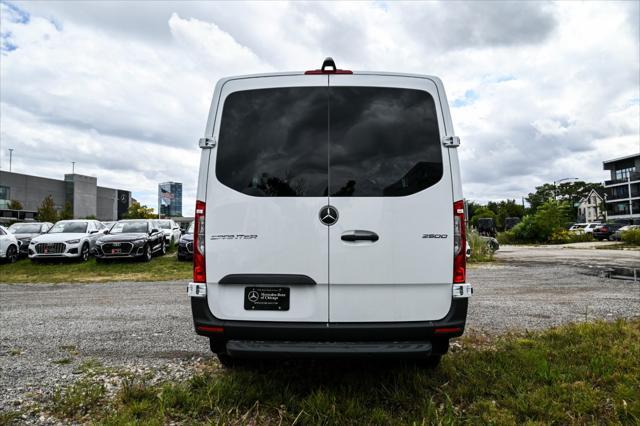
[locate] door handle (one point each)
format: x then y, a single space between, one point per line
358 235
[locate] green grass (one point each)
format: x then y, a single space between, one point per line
159 269
577 374
480 251
619 246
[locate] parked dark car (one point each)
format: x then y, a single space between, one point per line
185 245
487 227
606 230
25 231
131 239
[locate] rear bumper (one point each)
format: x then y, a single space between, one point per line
276 349
452 325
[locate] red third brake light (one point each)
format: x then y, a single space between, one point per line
459 243
199 270
328 62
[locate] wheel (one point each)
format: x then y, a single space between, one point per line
163 249
432 362
225 360
219 349
147 255
12 254
84 253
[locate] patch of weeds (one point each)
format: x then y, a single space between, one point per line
9 417
63 361
15 351
84 397
70 349
89 366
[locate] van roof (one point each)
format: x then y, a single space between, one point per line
297 73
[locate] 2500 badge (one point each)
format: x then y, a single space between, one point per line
434 236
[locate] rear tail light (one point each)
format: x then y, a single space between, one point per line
199 271
459 243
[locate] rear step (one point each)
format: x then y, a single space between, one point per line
263 349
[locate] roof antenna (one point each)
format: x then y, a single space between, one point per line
328 62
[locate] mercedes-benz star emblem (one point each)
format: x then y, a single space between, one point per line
328 215
253 296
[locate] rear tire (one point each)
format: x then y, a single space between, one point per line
220 350
432 362
225 360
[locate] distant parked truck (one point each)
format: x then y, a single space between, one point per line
510 222
487 227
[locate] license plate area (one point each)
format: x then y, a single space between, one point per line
266 298
116 251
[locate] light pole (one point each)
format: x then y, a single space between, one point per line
555 186
73 167
10 158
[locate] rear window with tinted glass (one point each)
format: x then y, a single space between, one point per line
384 142
273 142
338 141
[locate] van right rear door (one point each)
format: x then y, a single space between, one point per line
390 182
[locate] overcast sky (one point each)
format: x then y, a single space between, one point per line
538 91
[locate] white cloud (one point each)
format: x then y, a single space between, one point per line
539 90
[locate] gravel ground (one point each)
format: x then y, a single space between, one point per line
49 331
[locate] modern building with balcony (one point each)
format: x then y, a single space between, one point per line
622 192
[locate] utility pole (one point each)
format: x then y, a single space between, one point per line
10 158
73 167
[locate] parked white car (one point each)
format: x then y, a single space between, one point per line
9 246
590 227
67 239
329 231
170 229
578 228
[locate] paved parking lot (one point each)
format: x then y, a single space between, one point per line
149 324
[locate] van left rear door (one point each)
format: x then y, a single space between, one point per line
267 182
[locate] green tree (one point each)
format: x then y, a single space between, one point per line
14 205
552 216
67 212
47 210
571 192
137 211
482 212
507 208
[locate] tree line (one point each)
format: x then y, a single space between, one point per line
568 194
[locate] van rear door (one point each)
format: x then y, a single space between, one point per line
391 249
268 179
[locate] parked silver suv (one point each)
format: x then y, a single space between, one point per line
67 239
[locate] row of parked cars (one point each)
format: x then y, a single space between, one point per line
81 239
602 231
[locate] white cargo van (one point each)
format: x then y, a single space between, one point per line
329 218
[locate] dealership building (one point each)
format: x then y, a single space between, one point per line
83 194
